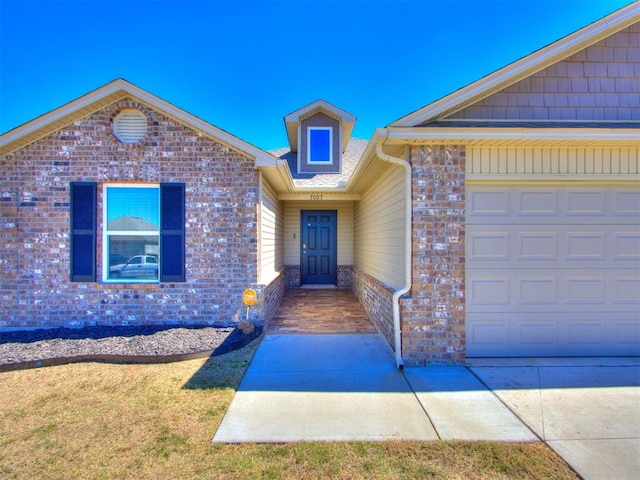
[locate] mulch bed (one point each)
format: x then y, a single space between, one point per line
142 344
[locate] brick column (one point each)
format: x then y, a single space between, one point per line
433 316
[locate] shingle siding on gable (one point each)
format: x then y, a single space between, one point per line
598 83
320 120
221 226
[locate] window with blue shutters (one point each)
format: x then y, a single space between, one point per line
83 203
131 233
143 232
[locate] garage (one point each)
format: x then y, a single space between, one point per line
553 268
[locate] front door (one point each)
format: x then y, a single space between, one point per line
319 260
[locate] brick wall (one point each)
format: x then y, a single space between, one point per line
433 316
344 277
293 276
221 246
269 298
376 298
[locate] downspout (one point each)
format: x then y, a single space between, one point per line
397 329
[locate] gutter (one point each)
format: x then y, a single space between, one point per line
397 329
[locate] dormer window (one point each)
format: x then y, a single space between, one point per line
318 134
320 143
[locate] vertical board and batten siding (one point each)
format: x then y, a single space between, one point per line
292 211
550 161
379 229
271 235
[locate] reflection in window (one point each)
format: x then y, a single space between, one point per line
131 234
319 143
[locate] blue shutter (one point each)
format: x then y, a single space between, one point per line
172 232
83 202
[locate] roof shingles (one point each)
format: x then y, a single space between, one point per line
350 159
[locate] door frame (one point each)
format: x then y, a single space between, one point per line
333 247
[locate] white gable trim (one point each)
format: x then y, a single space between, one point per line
524 67
511 136
111 93
292 121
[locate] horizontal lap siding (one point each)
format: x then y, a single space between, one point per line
546 160
292 229
271 231
379 229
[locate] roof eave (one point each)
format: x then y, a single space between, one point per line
524 67
513 136
292 121
112 92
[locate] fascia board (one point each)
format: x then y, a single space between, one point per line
295 116
366 158
261 157
526 66
60 112
292 121
406 135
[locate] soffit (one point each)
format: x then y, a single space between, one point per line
55 120
292 121
109 94
496 137
523 68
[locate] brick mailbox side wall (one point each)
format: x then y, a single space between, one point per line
221 225
433 316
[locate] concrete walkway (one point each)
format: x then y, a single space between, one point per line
587 410
346 387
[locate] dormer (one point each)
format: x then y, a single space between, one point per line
319 134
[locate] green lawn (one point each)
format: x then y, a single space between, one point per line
101 421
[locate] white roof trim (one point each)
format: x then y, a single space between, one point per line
526 66
466 136
261 157
320 104
292 121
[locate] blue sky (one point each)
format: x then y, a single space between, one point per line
242 65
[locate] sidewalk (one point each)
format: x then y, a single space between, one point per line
346 387
339 387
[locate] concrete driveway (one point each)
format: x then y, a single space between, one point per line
587 410
346 387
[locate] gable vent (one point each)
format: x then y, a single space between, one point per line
130 126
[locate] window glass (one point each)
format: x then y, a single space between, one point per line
319 145
132 233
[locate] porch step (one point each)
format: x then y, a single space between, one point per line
320 311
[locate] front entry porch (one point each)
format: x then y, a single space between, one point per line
320 311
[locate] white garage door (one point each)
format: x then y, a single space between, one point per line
553 270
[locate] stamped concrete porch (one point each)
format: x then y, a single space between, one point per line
320 311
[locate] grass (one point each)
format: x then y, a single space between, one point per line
101 421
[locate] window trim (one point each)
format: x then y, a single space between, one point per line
105 234
310 161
